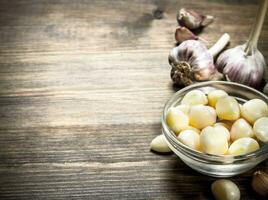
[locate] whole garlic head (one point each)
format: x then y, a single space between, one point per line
239 67
191 61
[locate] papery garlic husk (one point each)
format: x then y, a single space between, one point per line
192 19
260 183
191 61
239 67
182 34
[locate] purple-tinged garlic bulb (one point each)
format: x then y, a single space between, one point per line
191 61
182 34
192 19
245 64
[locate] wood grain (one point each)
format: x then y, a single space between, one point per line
82 87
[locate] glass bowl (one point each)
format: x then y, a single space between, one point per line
215 165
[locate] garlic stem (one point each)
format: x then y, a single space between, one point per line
256 30
219 45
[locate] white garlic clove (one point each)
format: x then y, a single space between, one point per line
159 144
243 146
214 96
195 97
224 189
190 138
208 116
213 141
222 129
184 108
182 34
254 109
261 129
224 124
241 128
177 120
227 108
193 129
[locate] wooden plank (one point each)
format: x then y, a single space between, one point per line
82 87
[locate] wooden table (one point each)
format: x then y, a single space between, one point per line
82 87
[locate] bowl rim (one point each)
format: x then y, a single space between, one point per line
172 138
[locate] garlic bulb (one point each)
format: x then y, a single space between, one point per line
183 34
192 19
192 62
245 64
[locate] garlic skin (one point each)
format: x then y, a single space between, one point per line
182 34
260 183
191 61
254 109
159 144
241 128
192 19
194 97
261 129
225 189
239 67
208 116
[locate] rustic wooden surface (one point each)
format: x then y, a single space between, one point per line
82 87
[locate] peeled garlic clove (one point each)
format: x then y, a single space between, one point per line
224 125
260 183
254 109
192 19
177 120
159 144
227 108
193 129
183 34
243 146
222 129
194 97
213 141
224 189
184 108
190 138
202 116
241 128
261 129
214 96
